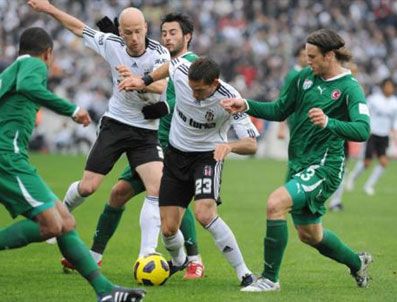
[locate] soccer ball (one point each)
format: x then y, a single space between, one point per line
152 269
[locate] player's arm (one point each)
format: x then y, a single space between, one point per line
246 133
71 23
357 128
30 83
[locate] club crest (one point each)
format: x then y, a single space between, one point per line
307 84
335 94
209 116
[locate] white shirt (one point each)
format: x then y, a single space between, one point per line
383 112
198 126
125 106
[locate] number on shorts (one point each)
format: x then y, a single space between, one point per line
203 186
308 173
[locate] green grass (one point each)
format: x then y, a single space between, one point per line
368 223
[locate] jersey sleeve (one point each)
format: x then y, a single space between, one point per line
162 57
279 109
31 82
99 41
180 65
243 127
358 127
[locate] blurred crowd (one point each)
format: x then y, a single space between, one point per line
252 40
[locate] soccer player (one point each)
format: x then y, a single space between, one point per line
383 109
176 35
329 107
123 128
23 89
194 158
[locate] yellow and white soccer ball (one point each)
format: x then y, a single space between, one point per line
152 269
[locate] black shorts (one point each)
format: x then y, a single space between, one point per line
376 145
114 138
187 175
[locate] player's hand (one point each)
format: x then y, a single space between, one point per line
124 72
318 117
234 105
40 5
82 117
107 26
132 83
221 151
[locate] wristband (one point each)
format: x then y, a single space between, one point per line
147 79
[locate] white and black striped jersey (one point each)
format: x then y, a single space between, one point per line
126 106
198 126
383 112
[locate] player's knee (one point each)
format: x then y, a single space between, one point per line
274 207
204 216
51 230
69 223
308 237
121 193
87 188
169 229
153 189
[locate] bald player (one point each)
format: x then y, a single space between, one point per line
123 128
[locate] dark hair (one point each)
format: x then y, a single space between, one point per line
328 40
34 41
385 81
185 22
299 49
204 69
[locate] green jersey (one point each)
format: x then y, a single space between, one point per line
165 122
23 89
341 99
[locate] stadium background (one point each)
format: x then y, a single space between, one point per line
253 41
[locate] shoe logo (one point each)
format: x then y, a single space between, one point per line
227 249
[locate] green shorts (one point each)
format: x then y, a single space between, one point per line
309 190
133 179
22 190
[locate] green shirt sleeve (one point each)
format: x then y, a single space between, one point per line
32 82
358 127
279 109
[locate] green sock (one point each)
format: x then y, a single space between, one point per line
107 225
74 250
274 247
332 247
188 229
20 234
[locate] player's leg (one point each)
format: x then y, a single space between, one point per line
361 165
380 148
103 155
329 245
195 267
206 214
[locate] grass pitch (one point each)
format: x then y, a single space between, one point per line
367 224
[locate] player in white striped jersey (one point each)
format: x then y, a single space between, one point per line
123 128
193 162
383 110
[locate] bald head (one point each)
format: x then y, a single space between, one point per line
133 30
131 15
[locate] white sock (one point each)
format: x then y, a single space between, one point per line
72 198
337 196
227 244
149 221
174 245
195 258
376 173
97 257
357 171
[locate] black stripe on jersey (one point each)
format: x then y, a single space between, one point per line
174 61
154 45
89 32
184 69
116 39
224 91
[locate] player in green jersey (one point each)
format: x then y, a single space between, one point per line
329 107
301 62
23 89
176 33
